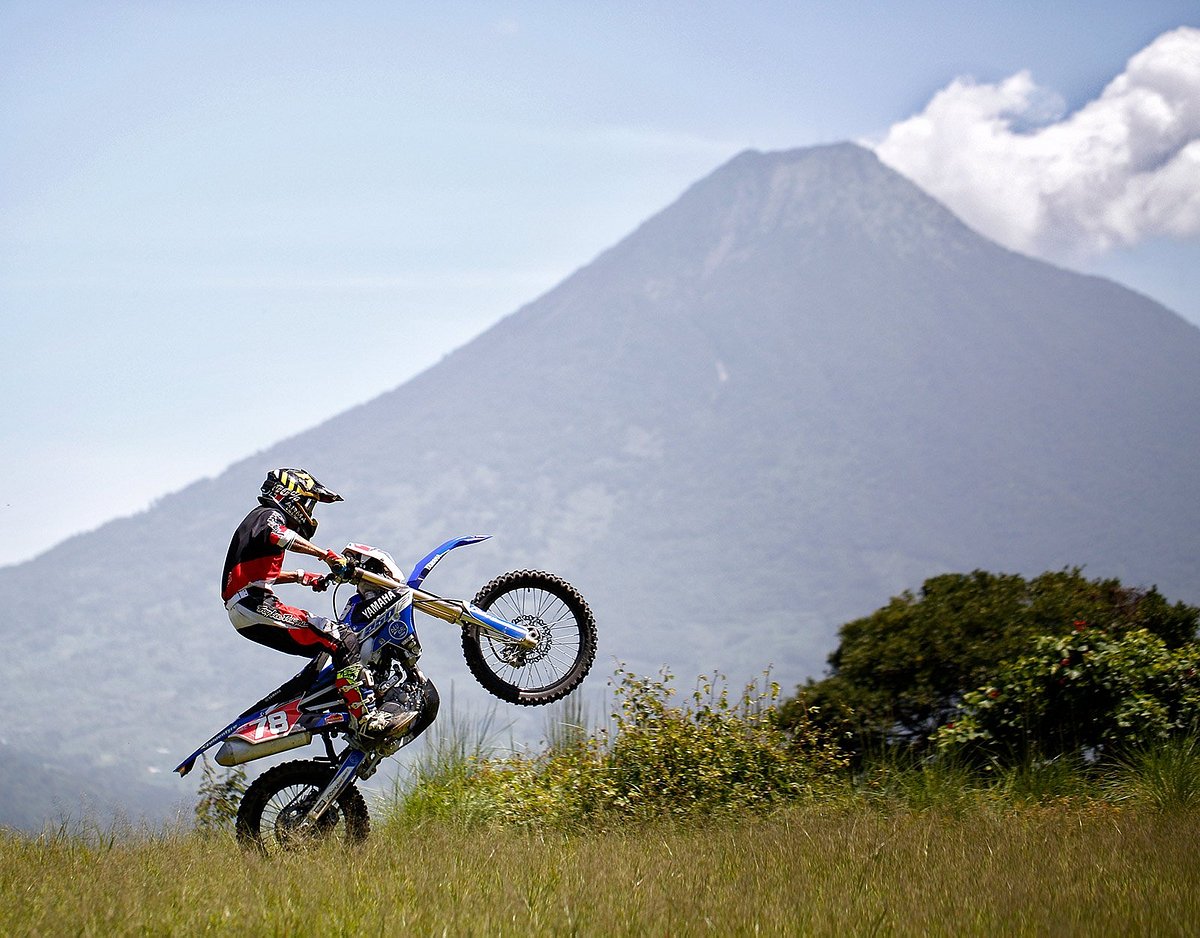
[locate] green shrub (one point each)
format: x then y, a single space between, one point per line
658 759
900 673
714 754
219 796
1080 695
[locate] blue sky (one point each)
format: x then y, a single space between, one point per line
221 223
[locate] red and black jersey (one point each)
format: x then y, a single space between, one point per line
256 552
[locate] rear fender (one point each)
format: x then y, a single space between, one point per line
277 730
236 726
289 691
265 732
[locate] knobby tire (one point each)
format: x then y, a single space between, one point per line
308 778
558 665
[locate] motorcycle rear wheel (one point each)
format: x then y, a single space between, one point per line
269 816
566 646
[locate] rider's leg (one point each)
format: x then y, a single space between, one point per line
265 620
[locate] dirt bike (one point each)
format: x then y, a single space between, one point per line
528 637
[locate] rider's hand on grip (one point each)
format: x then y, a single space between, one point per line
338 565
314 581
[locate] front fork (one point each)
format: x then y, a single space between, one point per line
354 762
352 759
468 614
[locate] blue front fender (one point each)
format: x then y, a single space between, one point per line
429 561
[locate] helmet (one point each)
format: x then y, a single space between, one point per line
295 492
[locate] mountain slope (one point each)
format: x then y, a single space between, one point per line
799 389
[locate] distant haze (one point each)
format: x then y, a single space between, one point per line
184 185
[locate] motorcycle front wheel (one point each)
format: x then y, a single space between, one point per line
566 644
269 816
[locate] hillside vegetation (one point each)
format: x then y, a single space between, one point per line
1004 668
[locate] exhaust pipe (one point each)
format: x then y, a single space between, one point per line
236 751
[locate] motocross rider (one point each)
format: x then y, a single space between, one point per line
284 521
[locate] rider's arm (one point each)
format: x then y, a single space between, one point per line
285 538
305 578
304 546
293 541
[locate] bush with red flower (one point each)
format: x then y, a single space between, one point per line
1085 693
902 672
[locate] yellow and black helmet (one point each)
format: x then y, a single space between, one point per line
295 492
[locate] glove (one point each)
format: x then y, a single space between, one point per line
313 581
338 565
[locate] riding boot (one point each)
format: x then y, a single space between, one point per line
367 721
351 681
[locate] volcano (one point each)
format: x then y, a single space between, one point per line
800 389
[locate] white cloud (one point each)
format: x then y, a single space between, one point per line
1123 168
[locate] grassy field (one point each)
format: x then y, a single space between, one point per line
695 820
860 869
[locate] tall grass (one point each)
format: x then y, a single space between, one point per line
1165 776
947 785
440 779
816 870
